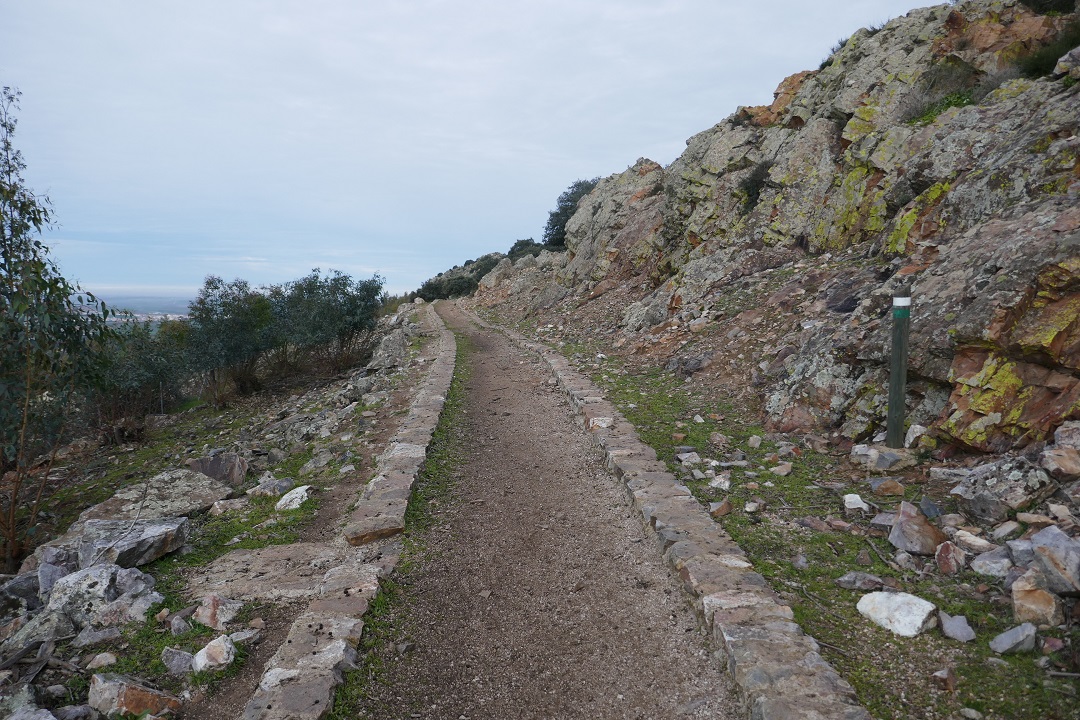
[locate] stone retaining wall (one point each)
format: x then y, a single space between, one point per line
300 679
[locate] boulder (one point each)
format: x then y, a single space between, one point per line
129 544
172 494
82 594
1063 463
28 713
229 468
913 533
950 559
1033 602
272 487
1021 552
1068 435
882 459
995 563
1068 64
901 613
223 506
391 351
114 695
177 662
19 596
856 580
1058 556
886 486
852 501
973 543
293 499
991 491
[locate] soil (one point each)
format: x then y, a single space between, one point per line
538 594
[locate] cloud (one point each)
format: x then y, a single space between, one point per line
268 137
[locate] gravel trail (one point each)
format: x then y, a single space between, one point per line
539 594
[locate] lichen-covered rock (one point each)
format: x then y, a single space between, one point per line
129 544
991 491
616 224
1058 557
391 352
119 695
171 494
846 188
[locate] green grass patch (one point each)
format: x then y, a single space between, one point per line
890 674
930 113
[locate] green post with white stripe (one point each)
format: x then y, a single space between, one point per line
894 433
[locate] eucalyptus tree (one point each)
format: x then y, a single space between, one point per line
50 337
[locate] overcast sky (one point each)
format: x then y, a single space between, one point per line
261 139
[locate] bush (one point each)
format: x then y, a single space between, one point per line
565 207
485 265
932 110
324 314
143 371
521 248
750 187
232 325
1042 61
1044 7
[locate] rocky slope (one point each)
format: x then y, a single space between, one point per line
787 229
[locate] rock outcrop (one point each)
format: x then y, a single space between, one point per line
795 223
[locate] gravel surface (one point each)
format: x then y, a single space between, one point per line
538 594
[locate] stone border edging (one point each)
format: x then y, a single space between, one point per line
776 666
298 682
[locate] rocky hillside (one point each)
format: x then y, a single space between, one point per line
916 155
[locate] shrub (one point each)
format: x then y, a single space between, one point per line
521 248
750 187
565 207
143 371
324 314
1042 61
1045 7
484 265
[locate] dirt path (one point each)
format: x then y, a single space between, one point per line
540 596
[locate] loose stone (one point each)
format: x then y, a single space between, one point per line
902 613
1018 639
955 627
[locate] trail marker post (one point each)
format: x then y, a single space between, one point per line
894 432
